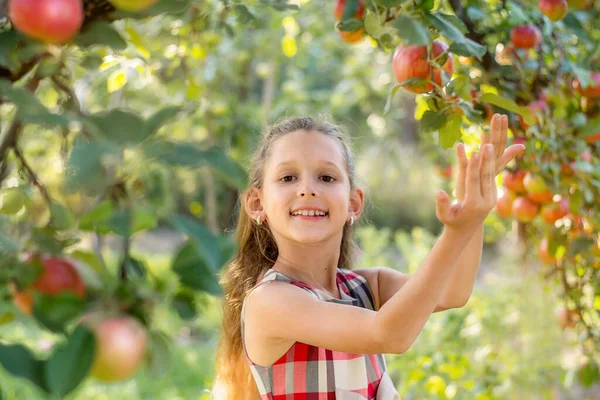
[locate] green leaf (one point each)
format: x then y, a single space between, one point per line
29 107
96 216
204 241
54 312
508 105
350 25
116 81
61 217
390 98
449 26
411 31
86 169
589 374
193 271
159 118
8 43
591 128
20 362
450 133
135 267
373 25
183 303
158 354
190 155
350 9
100 33
69 364
120 126
432 121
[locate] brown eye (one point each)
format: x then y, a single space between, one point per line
331 178
284 178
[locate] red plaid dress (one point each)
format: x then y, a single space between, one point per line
313 373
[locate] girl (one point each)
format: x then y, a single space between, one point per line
298 322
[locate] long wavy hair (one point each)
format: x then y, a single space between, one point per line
257 252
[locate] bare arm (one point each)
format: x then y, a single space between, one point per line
386 282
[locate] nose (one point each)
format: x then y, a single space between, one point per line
303 190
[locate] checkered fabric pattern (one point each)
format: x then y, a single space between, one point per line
312 373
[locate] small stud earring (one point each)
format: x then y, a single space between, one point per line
258 220
351 220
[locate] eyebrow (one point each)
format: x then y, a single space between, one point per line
285 163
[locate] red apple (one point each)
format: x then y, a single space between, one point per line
504 204
132 5
544 254
593 138
121 343
524 209
444 172
593 90
513 180
554 211
357 35
411 62
51 21
525 36
58 276
553 9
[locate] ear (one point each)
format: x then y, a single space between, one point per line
357 202
252 202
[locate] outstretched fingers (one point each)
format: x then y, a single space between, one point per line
473 181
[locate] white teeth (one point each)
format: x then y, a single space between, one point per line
309 213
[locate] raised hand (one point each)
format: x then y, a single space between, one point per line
498 137
480 194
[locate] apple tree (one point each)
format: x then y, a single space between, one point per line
537 62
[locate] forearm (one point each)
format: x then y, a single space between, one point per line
402 317
460 285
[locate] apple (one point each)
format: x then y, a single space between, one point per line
524 209
357 35
132 5
541 197
566 318
58 276
534 183
411 62
593 90
552 212
593 138
513 180
544 254
51 21
525 36
444 172
121 343
504 204
555 10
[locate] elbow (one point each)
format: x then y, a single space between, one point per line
387 342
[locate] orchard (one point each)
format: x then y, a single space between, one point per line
120 117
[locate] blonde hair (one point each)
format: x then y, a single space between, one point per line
257 252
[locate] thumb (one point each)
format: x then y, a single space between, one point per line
442 203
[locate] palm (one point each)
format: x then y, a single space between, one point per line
502 155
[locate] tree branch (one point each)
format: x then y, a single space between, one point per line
32 176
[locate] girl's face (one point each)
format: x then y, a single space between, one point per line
306 171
